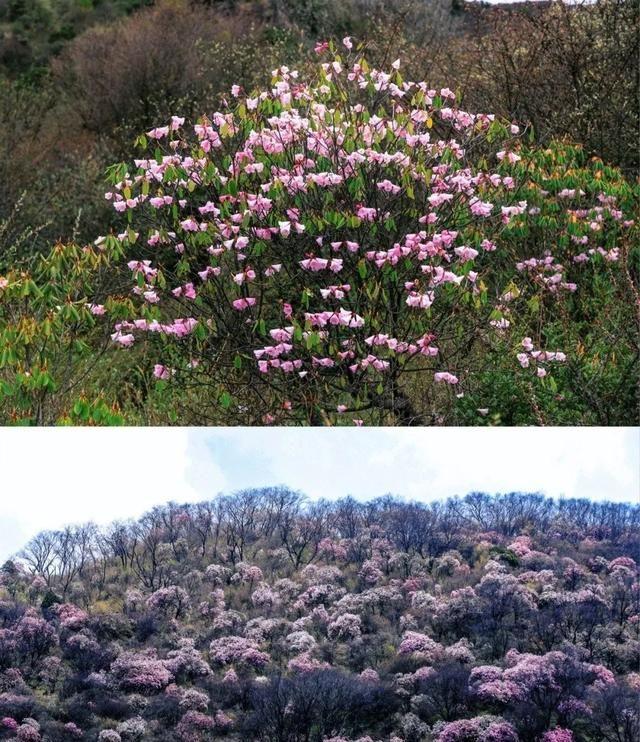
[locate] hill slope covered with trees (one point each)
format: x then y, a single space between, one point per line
263 616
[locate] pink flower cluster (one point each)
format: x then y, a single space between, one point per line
530 356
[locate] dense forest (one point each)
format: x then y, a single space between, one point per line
510 191
262 615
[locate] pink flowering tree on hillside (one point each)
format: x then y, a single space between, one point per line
236 650
478 729
170 601
141 672
330 248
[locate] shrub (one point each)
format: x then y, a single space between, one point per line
174 55
49 348
343 251
141 672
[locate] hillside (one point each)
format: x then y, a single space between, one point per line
462 248
262 616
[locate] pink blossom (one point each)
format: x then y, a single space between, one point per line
511 157
558 735
421 301
158 133
319 264
480 208
189 225
445 376
388 187
126 340
188 291
367 214
244 303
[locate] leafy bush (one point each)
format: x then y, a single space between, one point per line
341 250
48 347
560 70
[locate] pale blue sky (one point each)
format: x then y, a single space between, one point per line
53 477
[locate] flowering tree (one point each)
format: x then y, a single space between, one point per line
558 735
420 644
70 616
319 249
29 731
186 661
142 672
300 641
237 650
172 600
345 626
33 638
478 729
194 726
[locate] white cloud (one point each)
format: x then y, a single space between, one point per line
428 463
49 478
